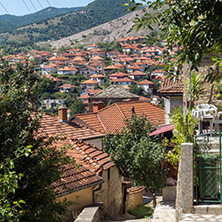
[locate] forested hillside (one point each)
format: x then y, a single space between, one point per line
11 22
96 13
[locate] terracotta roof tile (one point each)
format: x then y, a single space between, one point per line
52 126
112 118
76 178
171 87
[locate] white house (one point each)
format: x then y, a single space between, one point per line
147 85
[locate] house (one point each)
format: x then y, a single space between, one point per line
147 85
137 75
89 84
67 70
133 68
92 46
118 75
98 78
53 103
111 68
97 179
123 81
172 92
88 71
54 126
112 117
48 69
159 72
112 94
66 87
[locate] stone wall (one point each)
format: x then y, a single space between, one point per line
111 193
185 183
90 214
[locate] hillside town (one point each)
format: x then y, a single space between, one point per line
136 67
126 128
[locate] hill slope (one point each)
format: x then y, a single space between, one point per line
107 32
96 13
11 22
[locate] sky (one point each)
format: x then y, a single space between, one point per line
18 7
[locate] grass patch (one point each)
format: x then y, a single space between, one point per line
141 211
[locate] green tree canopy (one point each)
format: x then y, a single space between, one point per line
29 163
138 154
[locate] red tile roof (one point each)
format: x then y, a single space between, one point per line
52 126
90 162
113 117
145 82
76 178
123 80
171 87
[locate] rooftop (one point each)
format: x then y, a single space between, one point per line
112 118
115 91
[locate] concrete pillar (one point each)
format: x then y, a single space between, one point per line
186 176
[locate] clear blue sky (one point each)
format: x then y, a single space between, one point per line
17 7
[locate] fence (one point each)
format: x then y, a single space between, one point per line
207 164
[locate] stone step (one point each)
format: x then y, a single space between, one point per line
214 209
200 217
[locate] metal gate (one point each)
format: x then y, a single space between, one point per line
207 164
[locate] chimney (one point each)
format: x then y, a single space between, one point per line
97 106
62 111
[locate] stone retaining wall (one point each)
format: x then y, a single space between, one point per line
89 214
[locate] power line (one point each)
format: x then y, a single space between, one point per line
40 4
27 7
4 8
50 6
33 5
48 3
11 18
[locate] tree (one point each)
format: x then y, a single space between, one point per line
195 25
138 154
137 90
29 163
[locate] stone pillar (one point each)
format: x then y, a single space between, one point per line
186 177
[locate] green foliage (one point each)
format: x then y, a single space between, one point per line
137 90
28 164
45 85
74 104
11 22
141 211
197 87
138 154
110 46
195 25
181 132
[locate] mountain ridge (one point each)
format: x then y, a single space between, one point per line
96 13
10 22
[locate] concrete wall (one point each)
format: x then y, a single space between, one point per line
169 104
133 200
111 194
80 199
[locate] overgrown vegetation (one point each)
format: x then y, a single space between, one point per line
29 164
138 154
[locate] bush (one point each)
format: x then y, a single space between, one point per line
141 211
